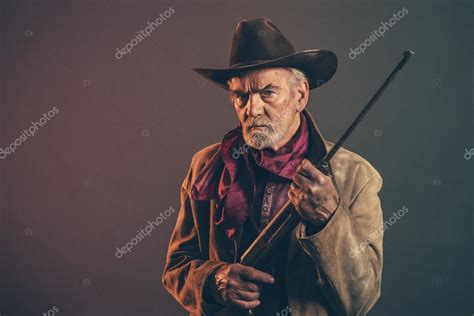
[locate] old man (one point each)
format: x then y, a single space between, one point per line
234 188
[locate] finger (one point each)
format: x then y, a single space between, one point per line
308 170
252 274
237 294
248 296
296 192
293 196
308 205
245 286
244 304
250 287
294 188
301 181
295 199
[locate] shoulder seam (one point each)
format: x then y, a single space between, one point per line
375 176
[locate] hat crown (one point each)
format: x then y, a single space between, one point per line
256 41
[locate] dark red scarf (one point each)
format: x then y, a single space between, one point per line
228 176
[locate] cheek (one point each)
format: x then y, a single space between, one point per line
274 107
279 110
279 104
240 115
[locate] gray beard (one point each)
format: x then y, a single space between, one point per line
263 137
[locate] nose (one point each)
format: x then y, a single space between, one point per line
255 105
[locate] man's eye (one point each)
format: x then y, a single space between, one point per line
266 93
241 99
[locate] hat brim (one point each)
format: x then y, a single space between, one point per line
318 65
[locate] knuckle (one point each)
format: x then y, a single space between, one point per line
323 180
224 296
227 269
244 272
305 190
232 283
235 269
233 295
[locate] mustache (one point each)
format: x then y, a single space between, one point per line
253 122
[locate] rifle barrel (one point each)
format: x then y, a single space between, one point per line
287 219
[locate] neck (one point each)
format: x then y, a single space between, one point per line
290 133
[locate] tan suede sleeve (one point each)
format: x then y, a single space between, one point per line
187 268
351 279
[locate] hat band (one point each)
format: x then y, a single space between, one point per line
252 63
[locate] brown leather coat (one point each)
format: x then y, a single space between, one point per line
336 271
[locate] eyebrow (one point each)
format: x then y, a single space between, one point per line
268 86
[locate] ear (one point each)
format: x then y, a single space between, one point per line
302 96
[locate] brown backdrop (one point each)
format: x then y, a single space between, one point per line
115 152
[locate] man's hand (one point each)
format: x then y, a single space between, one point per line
238 285
313 194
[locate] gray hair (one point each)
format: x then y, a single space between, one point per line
296 77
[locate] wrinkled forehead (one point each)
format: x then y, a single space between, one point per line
259 79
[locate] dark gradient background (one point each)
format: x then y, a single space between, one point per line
115 155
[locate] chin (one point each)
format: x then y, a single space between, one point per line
260 140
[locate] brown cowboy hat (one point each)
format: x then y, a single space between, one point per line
260 44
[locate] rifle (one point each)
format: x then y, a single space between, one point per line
286 219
